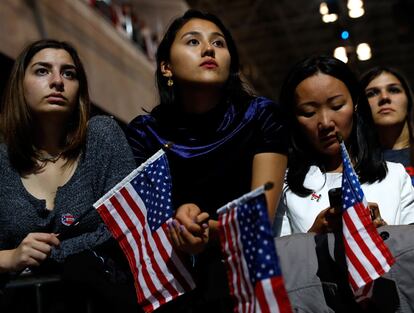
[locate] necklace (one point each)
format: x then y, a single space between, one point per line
49 158
46 157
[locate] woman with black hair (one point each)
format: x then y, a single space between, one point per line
391 101
322 97
224 142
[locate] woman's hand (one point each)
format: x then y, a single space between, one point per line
376 215
328 220
189 230
192 218
32 251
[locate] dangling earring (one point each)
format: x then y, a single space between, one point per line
356 108
170 82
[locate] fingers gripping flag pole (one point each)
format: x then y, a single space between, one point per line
254 274
367 256
136 212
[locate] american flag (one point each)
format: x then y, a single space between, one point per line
367 256
136 212
255 278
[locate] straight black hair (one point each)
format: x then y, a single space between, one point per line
234 90
363 144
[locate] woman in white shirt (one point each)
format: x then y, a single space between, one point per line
323 97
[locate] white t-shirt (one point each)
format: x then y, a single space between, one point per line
394 196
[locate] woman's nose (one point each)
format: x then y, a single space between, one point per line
384 97
325 121
208 50
56 81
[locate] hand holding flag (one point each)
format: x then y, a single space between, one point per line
191 233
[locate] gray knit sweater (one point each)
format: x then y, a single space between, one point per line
106 160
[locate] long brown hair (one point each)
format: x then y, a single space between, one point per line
373 73
16 118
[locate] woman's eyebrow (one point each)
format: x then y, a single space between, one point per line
194 33
334 97
49 65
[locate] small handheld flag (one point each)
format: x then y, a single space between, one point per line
136 212
248 247
367 256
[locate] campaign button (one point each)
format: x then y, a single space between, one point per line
67 219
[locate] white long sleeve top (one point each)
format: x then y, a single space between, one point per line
394 196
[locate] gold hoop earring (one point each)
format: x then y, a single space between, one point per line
170 82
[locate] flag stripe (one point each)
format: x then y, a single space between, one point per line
377 246
357 265
110 217
265 296
353 274
282 297
365 247
238 287
245 286
136 212
367 256
176 266
135 218
132 228
224 220
357 244
252 264
162 244
369 237
153 250
137 243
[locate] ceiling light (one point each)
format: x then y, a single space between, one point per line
354 4
340 54
363 52
355 13
355 8
329 18
345 35
323 8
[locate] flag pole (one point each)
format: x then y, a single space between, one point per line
339 137
342 144
246 197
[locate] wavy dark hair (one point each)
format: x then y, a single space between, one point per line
234 90
16 120
363 143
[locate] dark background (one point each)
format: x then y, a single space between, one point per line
272 35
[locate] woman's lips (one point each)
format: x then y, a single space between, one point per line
209 64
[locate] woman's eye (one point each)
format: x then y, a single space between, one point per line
394 90
192 42
69 74
372 93
41 71
337 107
219 43
306 114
